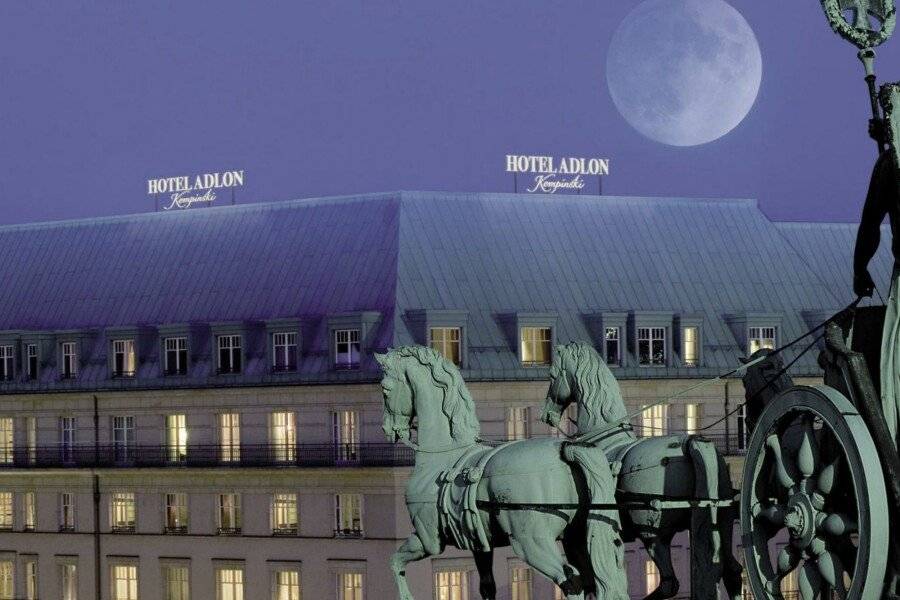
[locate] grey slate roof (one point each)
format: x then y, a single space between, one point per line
490 255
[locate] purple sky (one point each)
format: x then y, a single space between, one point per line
322 98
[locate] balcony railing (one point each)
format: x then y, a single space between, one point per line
209 455
175 530
228 531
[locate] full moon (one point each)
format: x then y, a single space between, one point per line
684 72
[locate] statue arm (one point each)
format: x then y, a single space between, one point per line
869 235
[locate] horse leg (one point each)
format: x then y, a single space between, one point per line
706 539
660 552
484 562
543 554
411 551
732 569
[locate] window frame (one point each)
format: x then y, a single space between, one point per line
69 362
180 525
761 338
237 581
234 514
340 513
123 358
67 514
177 449
229 447
652 331
7 362
229 346
535 343
283 344
444 342
132 582
345 434
292 505
178 353
123 512
349 364
32 372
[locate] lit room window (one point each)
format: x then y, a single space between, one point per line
124 582
176 356
68 576
6 441
176 513
176 438
177 583
229 354
123 439
520 583
121 512
230 584
743 435
346 348
67 439
6 511
691 418
286 585
283 436
651 576
123 358
284 351
761 337
346 434
69 360
7 366
67 511
229 514
284 514
446 340
348 515
31 361
690 352
651 346
451 585
30 512
613 336
790 585
31 580
31 439
535 343
653 420
517 423
350 586
7 591
230 436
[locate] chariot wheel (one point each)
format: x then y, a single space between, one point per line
813 502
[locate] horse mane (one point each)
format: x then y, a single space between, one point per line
597 389
457 405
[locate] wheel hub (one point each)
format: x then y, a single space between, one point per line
800 519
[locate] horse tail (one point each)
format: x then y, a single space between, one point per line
604 544
706 538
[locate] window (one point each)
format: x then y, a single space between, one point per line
691 418
517 423
67 439
346 348
348 515
6 511
520 583
124 582
446 340
652 346
761 337
346 434
350 586
7 592
230 436
31 361
790 585
69 581
284 351
230 584
284 514
31 439
7 366
67 511
535 343
177 582
653 420
121 512
69 360
613 339
286 585
7 450
229 354
176 438
690 341
283 433
31 580
123 439
29 521
743 434
176 513
451 585
229 514
651 576
176 356
123 358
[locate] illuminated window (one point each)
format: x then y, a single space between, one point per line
6 511
7 591
345 431
690 352
346 348
651 576
284 514
613 336
283 435
651 346
350 586
691 418
176 438
69 360
123 358
31 580
176 356
348 515
30 511
177 583
761 337
230 436
284 351
520 583
446 340
451 585
230 584
790 585
67 511
517 423
286 585
743 434
31 361
653 420
6 441
229 354
535 343
229 514
121 512
31 439
124 582
68 575
123 438
67 439
7 365
176 513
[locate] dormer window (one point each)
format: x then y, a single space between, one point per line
446 340
284 351
31 361
176 356
651 346
613 340
69 351
346 348
690 346
7 365
229 354
761 337
123 364
536 345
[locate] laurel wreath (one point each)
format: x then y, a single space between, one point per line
861 38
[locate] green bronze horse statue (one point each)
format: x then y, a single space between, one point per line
669 468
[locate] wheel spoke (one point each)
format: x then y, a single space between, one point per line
788 559
809 580
828 476
773 514
774 445
838 524
832 572
808 454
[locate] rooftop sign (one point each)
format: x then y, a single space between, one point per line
552 174
187 190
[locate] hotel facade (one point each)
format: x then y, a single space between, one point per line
190 407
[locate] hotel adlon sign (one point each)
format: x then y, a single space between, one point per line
552 173
186 190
